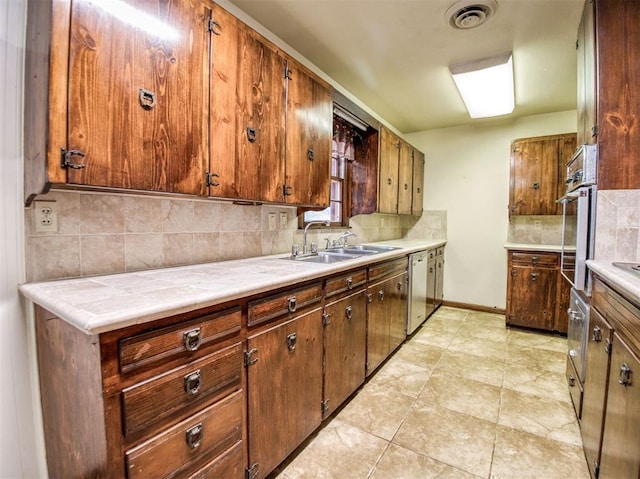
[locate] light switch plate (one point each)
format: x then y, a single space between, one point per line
283 220
272 221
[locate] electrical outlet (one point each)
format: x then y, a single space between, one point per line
46 216
272 221
537 225
283 220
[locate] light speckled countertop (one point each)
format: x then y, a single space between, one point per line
103 303
554 248
626 283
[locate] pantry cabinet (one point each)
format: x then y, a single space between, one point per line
608 104
387 311
538 172
537 293
401 176
345 323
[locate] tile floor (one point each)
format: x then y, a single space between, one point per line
463 398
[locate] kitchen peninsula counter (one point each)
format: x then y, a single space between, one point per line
626 283
99 304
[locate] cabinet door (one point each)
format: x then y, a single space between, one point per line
418 183
439 294
534 177
561 318
397 310
405 178
137 95
378 322
247 113
531 304
389 164
284 388
345 349
309 125
595 388
586 73
431 283
621 439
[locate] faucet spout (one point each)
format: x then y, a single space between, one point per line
306 228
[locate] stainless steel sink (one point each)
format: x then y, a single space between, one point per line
325 257
362 249
633 268
336 255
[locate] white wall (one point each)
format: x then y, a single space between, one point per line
20 445
467 174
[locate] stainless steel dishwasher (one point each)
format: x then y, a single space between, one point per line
417 290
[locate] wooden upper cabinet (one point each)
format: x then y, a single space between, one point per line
417 203
247 105
405 178
389 164
309 130
538 172
137 97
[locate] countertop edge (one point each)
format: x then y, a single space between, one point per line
207 287
625 283
553 248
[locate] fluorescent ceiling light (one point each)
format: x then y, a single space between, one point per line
486 85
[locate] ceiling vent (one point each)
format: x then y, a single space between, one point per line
468 14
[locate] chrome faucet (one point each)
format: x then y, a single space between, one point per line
342 239
306 228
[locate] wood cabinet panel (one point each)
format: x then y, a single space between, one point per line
285 303
309 131
228 465
621 439
168 394
405 178
595 388
387 268
137 97
345 349
347 282
397 309
389 168
284 389
206 434
417 203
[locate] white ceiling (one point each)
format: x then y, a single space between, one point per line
394 55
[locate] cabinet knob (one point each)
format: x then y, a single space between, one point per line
349 282
192 339
194 436
192 383
381 295
292 339
534 276
624 378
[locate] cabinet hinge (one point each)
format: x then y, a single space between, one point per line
288 75
325 319
249 358
608 346
515 149
286 190
213 27
252 471
209 179
594 131
67 159
324 405
367 365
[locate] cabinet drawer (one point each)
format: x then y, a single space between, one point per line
167 394
272 307
181 340
621 314
208 433
389 268
228 465
346 282
535 259
575 388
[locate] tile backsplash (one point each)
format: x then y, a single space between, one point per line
101 233
617 226
536 229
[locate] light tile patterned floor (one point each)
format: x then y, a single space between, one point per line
465 397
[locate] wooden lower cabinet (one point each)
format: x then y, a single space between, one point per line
163 399
610 424
537 293
345 336
595 388
387 312
284 389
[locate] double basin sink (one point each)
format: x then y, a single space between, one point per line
336 255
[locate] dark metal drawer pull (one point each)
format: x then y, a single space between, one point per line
534 276
194 436
596 336
192 383
381 295
291 304
292 339
192 339
147 98
625 375
349 282
572 381
349 312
